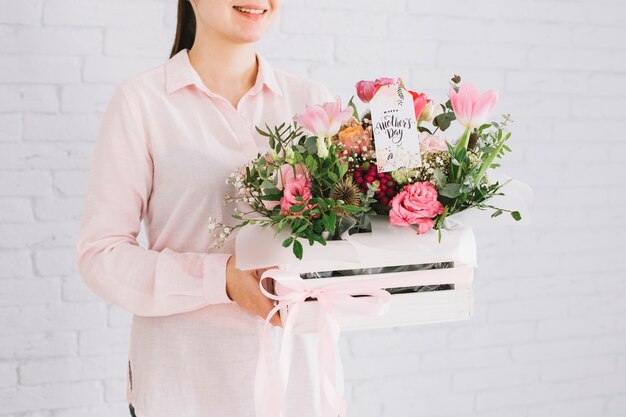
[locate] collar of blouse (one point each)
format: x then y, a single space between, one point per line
180 73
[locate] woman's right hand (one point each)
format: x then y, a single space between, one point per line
242 286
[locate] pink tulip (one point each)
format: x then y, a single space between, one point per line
420 100
324 121
366 89
472 108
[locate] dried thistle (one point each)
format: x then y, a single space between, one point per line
347 191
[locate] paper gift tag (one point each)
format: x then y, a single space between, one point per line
394 125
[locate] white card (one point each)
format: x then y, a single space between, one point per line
394 125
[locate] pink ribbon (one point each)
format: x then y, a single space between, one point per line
271 382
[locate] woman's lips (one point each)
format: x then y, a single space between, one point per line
250 12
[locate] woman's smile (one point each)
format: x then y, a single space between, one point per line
250 12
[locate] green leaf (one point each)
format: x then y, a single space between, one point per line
301 228
355 111
451 190
350 209
440 178
496 213
296 208
332 220
319 239
268 184
287 242
310 143
271 197
516 215
297 249
261 132
343 168
281 226
311 163
444 120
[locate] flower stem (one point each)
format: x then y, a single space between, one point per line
464 141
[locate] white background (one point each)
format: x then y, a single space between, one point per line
549 335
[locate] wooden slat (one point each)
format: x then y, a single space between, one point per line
406 310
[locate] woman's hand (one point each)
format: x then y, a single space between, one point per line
242 286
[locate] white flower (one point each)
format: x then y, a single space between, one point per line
431 111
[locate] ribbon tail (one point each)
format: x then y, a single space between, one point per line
271 383
330 367
266 377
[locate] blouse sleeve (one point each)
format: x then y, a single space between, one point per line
110 260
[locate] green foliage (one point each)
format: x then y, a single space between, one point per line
466 186
305 220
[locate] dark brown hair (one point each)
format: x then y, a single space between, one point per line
185 28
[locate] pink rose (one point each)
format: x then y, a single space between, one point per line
416 204
299 187
431 143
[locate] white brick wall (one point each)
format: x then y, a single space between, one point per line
549 335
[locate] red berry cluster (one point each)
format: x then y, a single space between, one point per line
367 174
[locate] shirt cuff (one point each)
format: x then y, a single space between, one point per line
214 278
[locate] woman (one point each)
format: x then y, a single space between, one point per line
167 141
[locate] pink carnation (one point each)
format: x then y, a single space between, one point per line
416 204
298 187
286 174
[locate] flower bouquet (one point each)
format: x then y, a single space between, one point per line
323 176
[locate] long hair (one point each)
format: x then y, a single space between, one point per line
185 27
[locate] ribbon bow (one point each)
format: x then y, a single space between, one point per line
271 383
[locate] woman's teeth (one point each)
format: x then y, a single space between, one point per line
253 11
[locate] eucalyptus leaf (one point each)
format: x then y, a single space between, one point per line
451 190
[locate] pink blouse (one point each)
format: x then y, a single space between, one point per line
165 146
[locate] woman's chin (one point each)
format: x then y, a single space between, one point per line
249 36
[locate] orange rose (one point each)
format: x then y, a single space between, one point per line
354 138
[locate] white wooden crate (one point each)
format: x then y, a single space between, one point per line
387 245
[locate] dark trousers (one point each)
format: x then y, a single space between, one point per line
132 410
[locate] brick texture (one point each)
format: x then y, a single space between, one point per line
549 334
